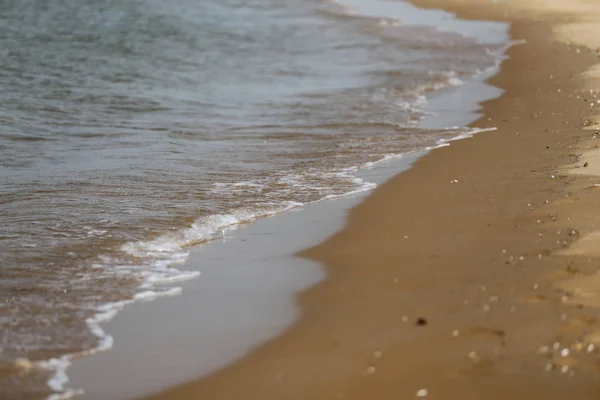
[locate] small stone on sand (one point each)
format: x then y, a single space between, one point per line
590 347
556 346
422 393
473 356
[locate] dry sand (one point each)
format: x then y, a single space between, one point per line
474 275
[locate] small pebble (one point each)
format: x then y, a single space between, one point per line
564 352
455 333
371 370
421 322
556 346
564 369
590 347
422 393
473 356
378 354
404 318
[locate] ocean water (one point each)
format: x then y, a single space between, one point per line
130 130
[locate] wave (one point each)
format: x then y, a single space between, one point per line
161 253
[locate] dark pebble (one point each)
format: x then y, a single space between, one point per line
421 322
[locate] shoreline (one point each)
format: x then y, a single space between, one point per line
235 307
134 329
470 266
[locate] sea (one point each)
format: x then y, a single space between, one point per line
132 130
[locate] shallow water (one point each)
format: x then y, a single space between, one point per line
130 130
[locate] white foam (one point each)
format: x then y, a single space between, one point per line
164 251
104 313
153 280
157 257
454 81
151 294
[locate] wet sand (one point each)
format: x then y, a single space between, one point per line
474 274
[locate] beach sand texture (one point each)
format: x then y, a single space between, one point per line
473 275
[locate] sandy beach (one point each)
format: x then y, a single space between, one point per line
475 274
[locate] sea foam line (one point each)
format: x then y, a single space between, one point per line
169 249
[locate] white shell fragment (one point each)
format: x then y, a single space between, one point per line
590 347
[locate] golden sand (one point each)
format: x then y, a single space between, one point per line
482 289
